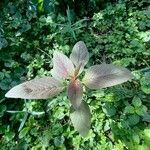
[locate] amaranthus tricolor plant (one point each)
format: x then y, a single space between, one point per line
64 69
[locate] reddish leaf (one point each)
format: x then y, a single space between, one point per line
41 88
81 118
63 66
105 75
55 75
75 93
80 54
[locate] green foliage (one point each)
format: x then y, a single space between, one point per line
119 31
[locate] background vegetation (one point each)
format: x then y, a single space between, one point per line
30 30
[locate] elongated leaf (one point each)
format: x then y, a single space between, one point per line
63 66
80 54
23 132
75 93
105 75
81 118
23 121
41 88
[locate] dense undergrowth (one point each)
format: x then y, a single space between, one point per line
118 31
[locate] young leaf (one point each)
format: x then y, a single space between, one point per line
81 118
80 54
63 66
75 93
41 88
105 75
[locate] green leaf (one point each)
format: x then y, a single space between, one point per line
147 133
1 76
9 135
145 84
81 118
23 121
133 119
57 129
109 109
58 140
106 126
146 117
141 110
129 109
23 132
136 138
136 101
98 93
145 89
37 113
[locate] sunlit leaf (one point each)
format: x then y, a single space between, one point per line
23 132
80 54
62 65
81 118
75 93
136 101
41 88
106 75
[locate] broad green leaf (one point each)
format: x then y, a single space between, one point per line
133 119
141 111
41 88
80 54
129 109
62 65
81 118
109 109
105 75
75 93
136 101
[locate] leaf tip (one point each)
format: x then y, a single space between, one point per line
9 94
